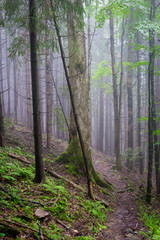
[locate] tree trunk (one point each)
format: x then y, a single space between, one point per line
8 80
2 135
157 137
39 177
115 95
130 99
1 71
151 103
80 136
101 121
140 157
48 97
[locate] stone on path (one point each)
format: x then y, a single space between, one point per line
40 213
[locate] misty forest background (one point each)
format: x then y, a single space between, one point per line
86 72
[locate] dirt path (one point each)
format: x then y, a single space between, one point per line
123 223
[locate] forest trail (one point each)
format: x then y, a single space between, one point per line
124 222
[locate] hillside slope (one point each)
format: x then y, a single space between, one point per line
69 213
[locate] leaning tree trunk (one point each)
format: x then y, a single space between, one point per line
39 177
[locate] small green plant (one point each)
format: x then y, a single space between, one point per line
130 186
84 238
55 228
131 154
71 169
96 209
151 219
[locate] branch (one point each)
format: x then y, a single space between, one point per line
19 227
20 158
158 5
56 175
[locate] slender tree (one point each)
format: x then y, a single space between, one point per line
115 94
130 94
139 79
48 95
151 102
2 135
39 177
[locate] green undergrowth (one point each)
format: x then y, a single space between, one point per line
20 198
151 218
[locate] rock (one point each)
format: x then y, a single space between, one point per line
129 230
75 231
40 213
130 236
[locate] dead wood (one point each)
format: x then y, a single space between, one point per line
61 223
20 158
56 200
17 227
65 226
56 175
10 226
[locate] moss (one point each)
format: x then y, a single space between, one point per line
73 156
75 162
99 180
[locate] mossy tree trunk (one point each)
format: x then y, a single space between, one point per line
77 79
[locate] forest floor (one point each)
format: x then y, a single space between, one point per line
85 219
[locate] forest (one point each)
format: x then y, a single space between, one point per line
80 119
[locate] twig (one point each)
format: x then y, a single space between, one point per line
40 231
58 221
54 174
56 200
53 202
20 158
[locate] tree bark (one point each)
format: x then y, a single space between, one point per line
130 98
140 157
2 135
48 96
39 177
101 121
115 95
151 103
8 80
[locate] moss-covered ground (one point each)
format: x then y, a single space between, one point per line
72 215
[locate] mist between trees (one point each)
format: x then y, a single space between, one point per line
109 54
